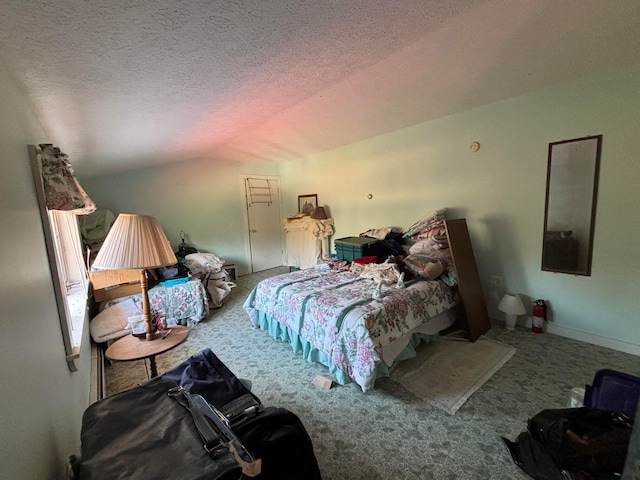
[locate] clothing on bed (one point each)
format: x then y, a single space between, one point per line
331 317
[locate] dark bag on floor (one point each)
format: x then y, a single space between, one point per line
273 435
144 433
573 444
205 374
277 437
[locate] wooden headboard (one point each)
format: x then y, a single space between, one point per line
469 286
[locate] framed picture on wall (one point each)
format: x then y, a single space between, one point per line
307 203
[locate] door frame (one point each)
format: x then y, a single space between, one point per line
245 215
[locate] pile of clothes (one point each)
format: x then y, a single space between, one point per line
214 277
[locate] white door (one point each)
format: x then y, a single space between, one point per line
264 222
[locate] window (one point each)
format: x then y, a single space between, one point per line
72 273
68 272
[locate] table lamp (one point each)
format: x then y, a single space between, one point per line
512 306
136 242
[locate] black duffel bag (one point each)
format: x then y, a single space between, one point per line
146 433
278 438
274 435
573 444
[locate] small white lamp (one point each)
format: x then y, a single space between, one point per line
512 306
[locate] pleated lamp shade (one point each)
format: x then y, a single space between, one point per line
135 241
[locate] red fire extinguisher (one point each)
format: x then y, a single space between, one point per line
539 316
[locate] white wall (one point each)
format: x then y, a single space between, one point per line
41 400
202 198
501 192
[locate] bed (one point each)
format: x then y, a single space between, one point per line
331 317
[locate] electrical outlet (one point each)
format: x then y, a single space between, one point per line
497 281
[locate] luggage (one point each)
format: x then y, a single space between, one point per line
613 390
145 434
277 437
573 443
157 430
274 435
205 374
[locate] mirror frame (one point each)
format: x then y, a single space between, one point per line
562 252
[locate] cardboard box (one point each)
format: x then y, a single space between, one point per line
109 284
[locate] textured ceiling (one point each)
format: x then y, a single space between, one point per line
126 83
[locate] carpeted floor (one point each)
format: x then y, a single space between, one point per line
448 371
388 433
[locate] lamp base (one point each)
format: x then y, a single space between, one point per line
146 310
510 321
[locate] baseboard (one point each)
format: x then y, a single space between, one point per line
97 386
593 339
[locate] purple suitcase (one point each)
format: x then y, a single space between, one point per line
612 390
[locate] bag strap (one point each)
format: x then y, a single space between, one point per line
244 406
221 422
214 429
212 442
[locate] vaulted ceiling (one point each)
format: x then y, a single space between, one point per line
124 84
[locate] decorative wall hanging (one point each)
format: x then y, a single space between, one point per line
307 203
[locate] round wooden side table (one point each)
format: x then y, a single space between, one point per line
131 348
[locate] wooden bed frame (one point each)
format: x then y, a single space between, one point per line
469 287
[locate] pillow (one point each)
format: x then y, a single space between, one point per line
432 231
433 222
433 248
432 271
424 266
111 323
427 245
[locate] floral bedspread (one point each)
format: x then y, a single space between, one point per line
181 304
334 313
184 303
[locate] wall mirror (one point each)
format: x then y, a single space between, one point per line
570 207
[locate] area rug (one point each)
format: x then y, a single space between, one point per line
447 372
